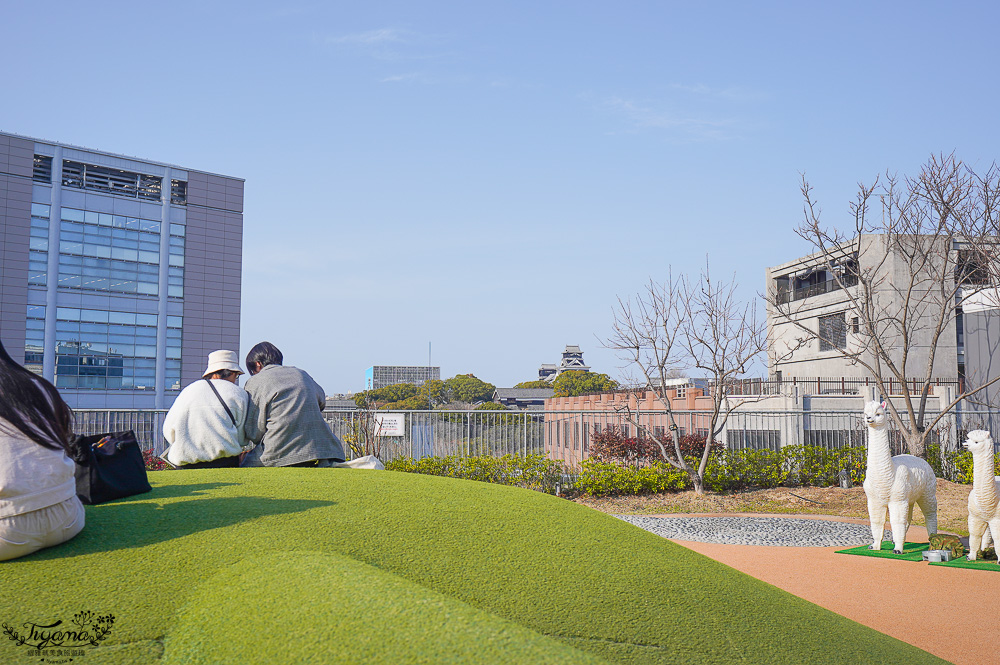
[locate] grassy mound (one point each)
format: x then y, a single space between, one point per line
289 565
369 615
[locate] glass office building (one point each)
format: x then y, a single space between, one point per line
117 275
379 376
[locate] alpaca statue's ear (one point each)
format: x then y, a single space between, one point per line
882 404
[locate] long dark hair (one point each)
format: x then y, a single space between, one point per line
33 406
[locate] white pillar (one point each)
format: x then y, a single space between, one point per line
52 269
161 319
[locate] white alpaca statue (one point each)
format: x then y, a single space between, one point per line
895 483
984 499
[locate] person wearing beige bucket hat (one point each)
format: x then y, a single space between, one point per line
207 427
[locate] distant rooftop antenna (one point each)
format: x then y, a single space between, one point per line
428 354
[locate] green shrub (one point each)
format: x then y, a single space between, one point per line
745 469
535 472
816 466
610 479
955 465
727 471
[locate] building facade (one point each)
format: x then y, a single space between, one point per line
119 275
379 376
814 292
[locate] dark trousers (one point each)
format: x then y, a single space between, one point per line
316 462
221 463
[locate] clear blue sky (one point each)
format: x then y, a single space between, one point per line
489 178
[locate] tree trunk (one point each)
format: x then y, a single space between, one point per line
915 444
696 480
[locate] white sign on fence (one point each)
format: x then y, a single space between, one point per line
390 424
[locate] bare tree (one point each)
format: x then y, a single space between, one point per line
363 430
902 272
687 324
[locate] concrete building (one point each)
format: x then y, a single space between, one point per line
119 275
379 376
572 359
814 291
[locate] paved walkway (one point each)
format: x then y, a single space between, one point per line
949 612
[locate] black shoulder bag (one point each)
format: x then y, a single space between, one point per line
108 467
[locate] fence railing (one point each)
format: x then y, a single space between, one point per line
786 295
568 435
146 423
829 385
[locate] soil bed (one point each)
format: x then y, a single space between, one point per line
953 499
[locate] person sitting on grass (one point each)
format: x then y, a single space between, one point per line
212 420
38 503
289 414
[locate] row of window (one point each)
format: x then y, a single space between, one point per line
104 350
107 180
103 252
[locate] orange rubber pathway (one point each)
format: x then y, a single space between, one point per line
951 613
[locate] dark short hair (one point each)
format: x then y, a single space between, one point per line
223 374
264 353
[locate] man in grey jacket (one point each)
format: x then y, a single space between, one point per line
289 414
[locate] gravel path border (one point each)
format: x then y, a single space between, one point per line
771 531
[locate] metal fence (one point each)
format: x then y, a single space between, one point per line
146 423
844 385
568 435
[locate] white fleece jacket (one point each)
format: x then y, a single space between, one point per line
32 477
198 428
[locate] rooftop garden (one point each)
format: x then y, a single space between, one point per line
339 565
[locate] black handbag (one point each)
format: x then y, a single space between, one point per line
108 467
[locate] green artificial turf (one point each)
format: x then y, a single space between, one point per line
963 562
911 551
342 565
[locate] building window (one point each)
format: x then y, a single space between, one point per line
42 171
104 252
116 182
38 245
971 268
34 339
832 332
856 325
178 192
107 350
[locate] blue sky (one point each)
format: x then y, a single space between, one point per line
491 178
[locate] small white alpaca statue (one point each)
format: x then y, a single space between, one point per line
895 483
984 499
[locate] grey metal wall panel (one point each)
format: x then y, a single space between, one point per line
212 270
16 163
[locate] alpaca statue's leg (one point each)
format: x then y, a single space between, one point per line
987 538
897 520
976 528
876 515
994 525
928 506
